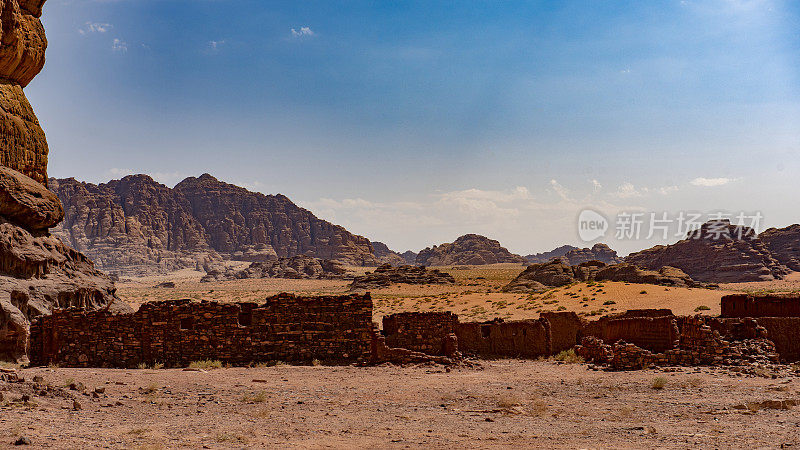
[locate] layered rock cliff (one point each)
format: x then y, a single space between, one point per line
470 249
136 225
598 252
718 253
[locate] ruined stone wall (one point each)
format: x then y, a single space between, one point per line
284 328
420 332
775 305
651 329
523 338
565 329
785 333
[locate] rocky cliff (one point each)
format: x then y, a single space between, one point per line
470 249
37 271
718 253
136 225
784 244
296 267
547 256
598 252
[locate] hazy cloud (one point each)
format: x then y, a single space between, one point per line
303 32
119 46
711 182
95 27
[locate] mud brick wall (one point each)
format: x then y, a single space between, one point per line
420 332
284 328
785 333
777 305
523 338
565 329
656 334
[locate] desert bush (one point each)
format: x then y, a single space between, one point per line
206 364
569 356
255 397
701 308
658 383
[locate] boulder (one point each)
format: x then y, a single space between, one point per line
470 249
386 275
27 202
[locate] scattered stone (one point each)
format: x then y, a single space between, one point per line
387 275
22 440
76 406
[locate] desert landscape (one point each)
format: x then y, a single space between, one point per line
178 305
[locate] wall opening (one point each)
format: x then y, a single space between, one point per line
186 323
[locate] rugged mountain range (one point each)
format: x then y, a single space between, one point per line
547 256
470 249
724 253
136 225
598 252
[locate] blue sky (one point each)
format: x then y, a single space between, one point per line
415 122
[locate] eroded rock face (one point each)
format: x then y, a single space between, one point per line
556 273
544 257
598 252
296 267
386 275
470 249
23 146
138 226
784 244
717 253
387 256
26 202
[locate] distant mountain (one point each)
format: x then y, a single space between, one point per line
598 252
719 253
387 255
470 249
136 225
547 256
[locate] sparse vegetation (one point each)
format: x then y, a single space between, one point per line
255 397
701 308
569 356
658 383
206 364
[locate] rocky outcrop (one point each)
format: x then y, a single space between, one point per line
784 244
718 252
387 256
409 257
23 146
296 267
556 273
136 225
470 249
387 275
26 202
544 257
599 252
38 272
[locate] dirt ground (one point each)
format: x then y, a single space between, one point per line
506 403
476 295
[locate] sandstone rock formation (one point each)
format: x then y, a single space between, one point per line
784 244
544 257
718 253
599 252
387 275
37 271
470 249
136 225
23 146
296 267
387 256
556 273
409 257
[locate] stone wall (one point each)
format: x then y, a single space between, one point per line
523 338
284 328
774 305
651 329
566 329
785 333
420 332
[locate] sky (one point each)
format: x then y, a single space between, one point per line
415 122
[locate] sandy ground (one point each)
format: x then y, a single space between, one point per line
507 403
475 296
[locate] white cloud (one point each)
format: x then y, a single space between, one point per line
119 46
711 182
596 186
628 190
95 27
215 45
117 172
668 190
303 32
560 190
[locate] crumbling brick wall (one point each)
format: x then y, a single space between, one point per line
772 305
284 328
421 332
522 338
565 329
785 333
651 329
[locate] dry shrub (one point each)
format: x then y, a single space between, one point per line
658 383
255 397
569 356
206 364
